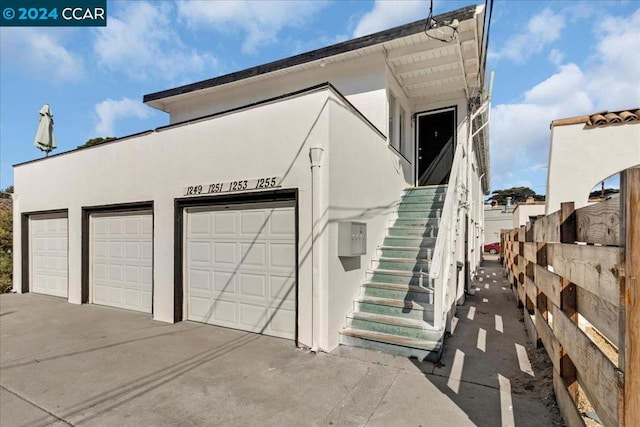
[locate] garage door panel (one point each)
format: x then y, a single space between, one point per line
147 277
253 317
48 258
252 269
115 226
283 322
224 282
199 280
281 287
132 250
132 274
115 295
225 253
254 254
147 250
283 255
253 285
281 225
121 260
200 224
200 252
225 224
252 223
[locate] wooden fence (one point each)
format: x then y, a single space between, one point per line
575 272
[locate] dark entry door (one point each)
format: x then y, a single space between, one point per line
436 143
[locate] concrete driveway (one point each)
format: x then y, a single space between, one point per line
63 364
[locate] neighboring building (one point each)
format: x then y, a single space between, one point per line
527 212
496 218
586 150
280 199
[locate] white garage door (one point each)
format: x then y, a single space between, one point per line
121 260
241 267
48 255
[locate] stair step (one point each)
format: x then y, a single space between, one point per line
415 222
417 231
421 214
429 189
399 277
402 264
419 198
409 205
409 242
399 345
393 307
398 291
410 328
405 252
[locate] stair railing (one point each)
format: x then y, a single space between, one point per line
443 270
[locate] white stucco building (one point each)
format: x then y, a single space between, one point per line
234 212
588 149
496 218
527 212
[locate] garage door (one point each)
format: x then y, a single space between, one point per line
48 255
240 264
122 260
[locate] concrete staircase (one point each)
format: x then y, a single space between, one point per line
394 312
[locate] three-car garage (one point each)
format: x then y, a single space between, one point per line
236 259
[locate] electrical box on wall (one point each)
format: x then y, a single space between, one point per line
352 238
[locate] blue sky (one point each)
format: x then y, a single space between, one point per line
552 59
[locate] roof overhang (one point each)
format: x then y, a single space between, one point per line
428 58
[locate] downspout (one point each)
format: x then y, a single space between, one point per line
315 155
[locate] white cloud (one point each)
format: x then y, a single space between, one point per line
140 41
110 110
542 30
556 57
41 51
520 132
261 21
387 14
609 79
614 79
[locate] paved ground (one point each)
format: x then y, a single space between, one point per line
64 364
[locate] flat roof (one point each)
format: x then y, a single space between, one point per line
461 14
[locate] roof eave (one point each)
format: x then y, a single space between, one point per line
154 99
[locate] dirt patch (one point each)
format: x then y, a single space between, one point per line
541 386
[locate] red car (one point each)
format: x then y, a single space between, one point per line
492 248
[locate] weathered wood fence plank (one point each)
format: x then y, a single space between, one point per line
600 313
595 370
594 268
565 402
599 223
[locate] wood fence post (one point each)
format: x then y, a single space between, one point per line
568 296
630 283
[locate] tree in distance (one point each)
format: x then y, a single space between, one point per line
517 194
